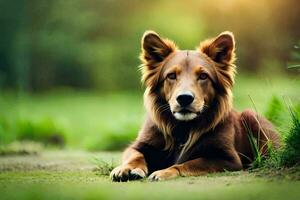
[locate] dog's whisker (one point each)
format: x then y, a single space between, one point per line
163 108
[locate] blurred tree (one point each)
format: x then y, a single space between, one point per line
95 44
13 58
265 30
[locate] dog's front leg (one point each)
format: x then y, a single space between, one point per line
133 166
196 167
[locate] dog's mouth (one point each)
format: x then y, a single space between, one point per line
185 114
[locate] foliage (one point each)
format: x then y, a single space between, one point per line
44 131
275 111
257 162
103 168
110 121
291 152
85 44
260 159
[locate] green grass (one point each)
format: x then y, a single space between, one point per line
87 120
275 110
96 121
288 155
72 175
291 152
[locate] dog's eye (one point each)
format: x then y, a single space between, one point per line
171 76
203 76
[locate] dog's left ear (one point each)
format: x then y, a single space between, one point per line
155 49
221 49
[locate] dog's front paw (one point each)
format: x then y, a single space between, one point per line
125 173
164 174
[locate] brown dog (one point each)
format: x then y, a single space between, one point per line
191 128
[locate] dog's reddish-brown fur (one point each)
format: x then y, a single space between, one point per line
213 137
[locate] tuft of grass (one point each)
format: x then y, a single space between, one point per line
103 168
258 157
291 152
257 162
274 112
288 155
271 158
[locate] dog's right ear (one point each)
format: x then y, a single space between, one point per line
220 49
155 49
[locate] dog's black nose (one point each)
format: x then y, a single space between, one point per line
185 99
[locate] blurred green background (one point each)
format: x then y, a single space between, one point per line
69 68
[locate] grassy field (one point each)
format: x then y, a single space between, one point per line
73 175
97 121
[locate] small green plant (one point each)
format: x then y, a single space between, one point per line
270 157
103 168
287 156
257 162
291 152
274 112
259 158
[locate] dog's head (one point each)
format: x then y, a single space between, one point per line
188 80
